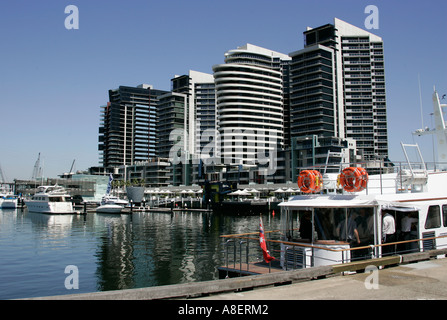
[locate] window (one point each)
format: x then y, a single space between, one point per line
444 215
433 218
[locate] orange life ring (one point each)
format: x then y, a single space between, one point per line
354 179
310 181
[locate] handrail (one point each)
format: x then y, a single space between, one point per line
244 234
299 244
244 239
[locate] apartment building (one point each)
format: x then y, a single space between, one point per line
337 89
327 97
200 107
128 126
250 103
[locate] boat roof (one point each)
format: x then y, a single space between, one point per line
400 202
330 201
394 200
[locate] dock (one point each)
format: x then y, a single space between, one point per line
423 280
81 209
244 269
421 275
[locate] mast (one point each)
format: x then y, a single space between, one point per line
2 176
440 131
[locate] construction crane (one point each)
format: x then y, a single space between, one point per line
72 165
2 176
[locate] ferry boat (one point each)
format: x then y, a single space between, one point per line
368 216
50 199
355 213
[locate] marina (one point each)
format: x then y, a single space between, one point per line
238 151
112 251
340 222
418 277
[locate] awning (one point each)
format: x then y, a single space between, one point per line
344 201
239 193
398 207
329 201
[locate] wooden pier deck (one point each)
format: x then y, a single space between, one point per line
244 269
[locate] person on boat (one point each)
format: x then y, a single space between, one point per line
388 234
408 224
365 228
306 228
347 230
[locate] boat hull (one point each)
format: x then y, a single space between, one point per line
109 208
50 207
9 204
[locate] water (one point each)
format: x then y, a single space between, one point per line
112 252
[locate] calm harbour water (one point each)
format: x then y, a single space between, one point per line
112 252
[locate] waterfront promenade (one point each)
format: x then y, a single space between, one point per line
417 276
425 280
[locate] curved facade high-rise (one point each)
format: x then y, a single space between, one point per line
250 103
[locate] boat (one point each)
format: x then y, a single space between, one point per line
110 199
7 198
111 203
402 209
9 201
50 199
368 212
110 208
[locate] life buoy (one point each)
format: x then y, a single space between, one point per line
354 179
310 181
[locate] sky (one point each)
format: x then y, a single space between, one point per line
53 80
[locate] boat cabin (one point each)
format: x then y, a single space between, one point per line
51 198
329 229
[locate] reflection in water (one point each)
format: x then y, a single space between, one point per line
115 253
112 252
157 249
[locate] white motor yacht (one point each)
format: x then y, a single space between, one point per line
110 208
50 199
110 203
109 199
9 201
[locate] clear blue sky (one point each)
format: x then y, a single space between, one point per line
54 80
